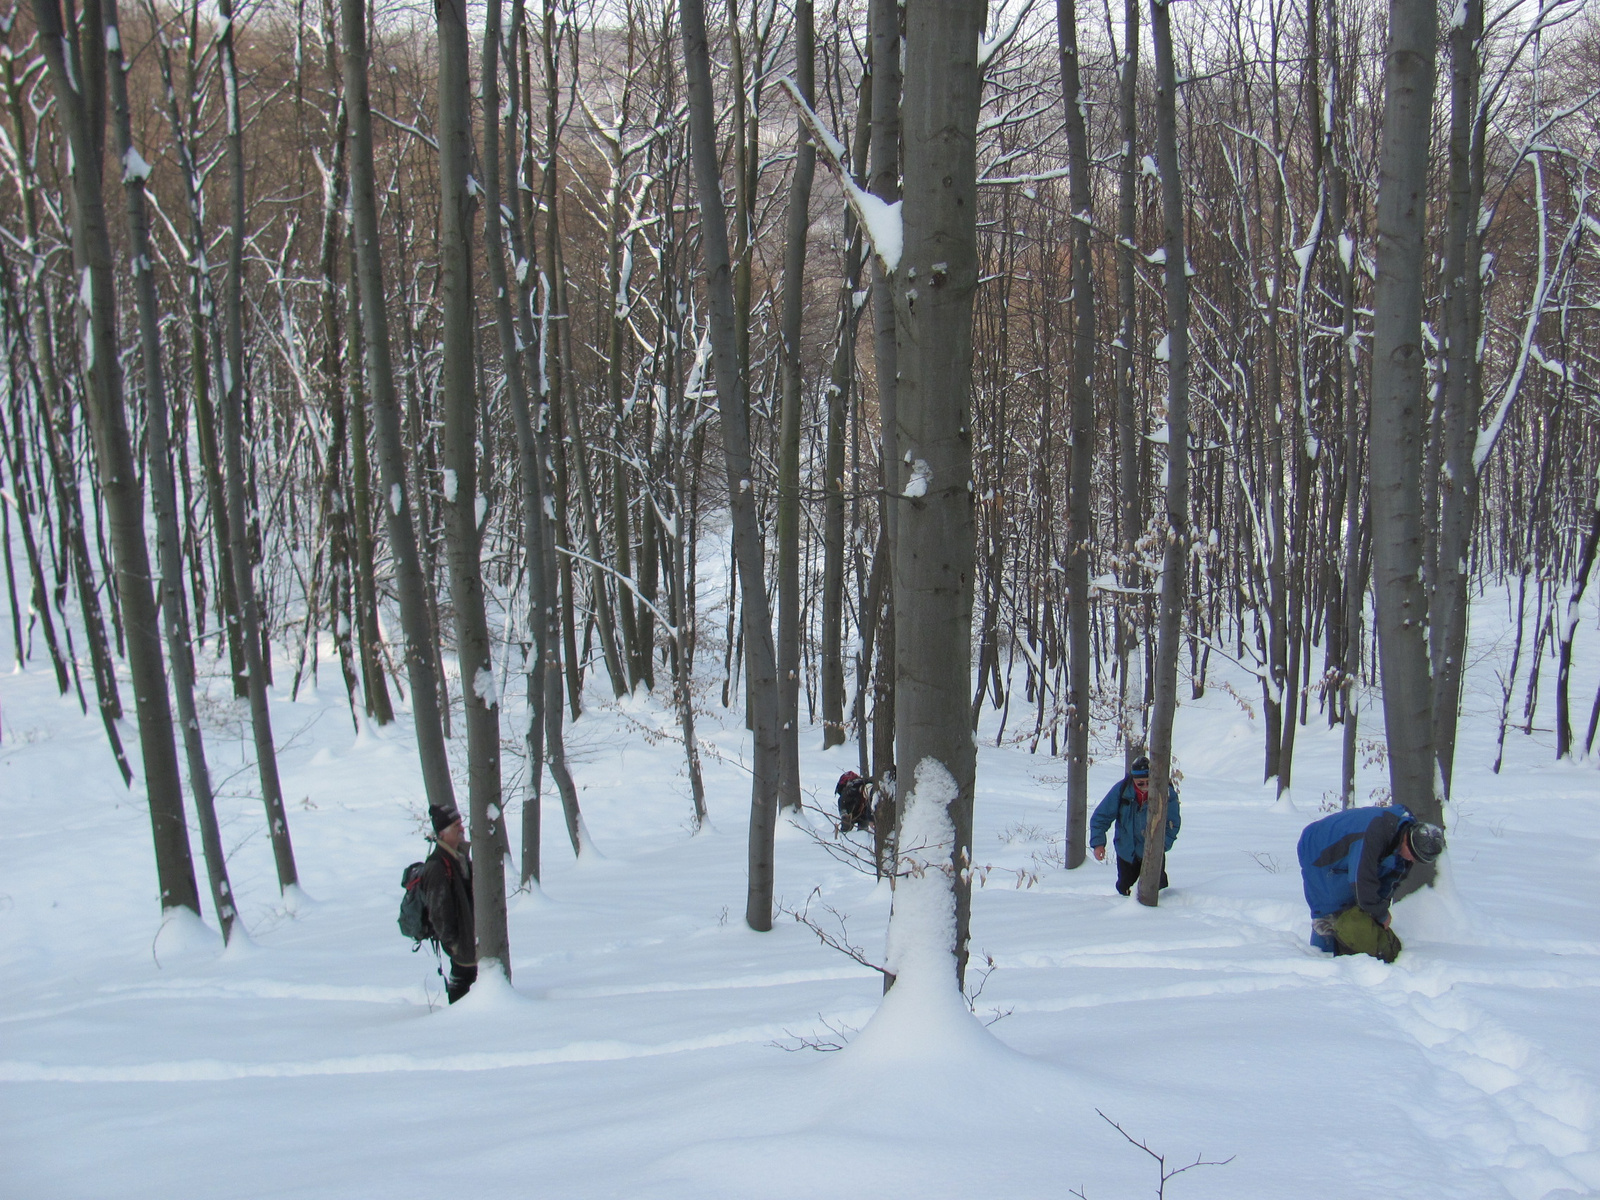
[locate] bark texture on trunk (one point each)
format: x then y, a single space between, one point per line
884 181
1398 408
794 263
934 285
1458 485
459 399
1080 499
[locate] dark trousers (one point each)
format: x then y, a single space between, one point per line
460 981
1128 874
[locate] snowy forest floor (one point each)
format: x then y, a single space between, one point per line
653 1047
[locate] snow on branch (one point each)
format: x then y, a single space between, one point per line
989 48
879 220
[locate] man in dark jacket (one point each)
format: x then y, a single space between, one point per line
447 891
1351 863
1125 805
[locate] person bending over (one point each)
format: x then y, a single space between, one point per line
1351 863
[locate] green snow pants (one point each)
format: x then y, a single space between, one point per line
1357 933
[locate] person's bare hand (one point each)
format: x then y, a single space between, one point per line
1099 854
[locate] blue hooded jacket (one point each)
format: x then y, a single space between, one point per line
1121 805
1352 859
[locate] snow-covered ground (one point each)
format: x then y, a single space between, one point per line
653 1047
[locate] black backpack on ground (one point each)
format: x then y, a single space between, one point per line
414 922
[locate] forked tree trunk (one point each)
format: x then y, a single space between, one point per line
1176 556
935 549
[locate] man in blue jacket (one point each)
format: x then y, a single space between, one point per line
1125 804
1351 863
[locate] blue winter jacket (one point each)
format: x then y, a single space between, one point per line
1122 806
1353 859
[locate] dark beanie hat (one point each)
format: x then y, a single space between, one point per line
1140 768
1427 842
442 818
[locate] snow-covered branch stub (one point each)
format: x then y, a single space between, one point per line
880 220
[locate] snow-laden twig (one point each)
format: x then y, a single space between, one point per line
879 220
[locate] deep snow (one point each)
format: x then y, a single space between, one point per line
652 1047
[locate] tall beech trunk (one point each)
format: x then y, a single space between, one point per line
77 68
1131 608
935 546
761 671
458 397
1176 556
552 611
416 621
794 262
162 494
1080 499
247 617
1398 408
884 182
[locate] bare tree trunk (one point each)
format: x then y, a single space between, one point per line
335 508
935 549
884 181
79 86
163 496
1568 630
1176 556
202 311
1398 406
1131 608
1080 499
794 262
762 688
1459 499
248 615
458 396
416 622
53 401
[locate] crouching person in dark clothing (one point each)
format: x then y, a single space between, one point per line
447 891
1351 863
1125 805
